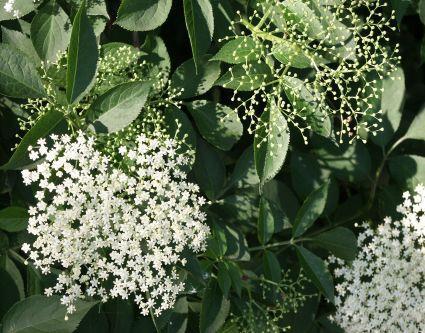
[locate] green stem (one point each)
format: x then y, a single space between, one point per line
259 33
379 172
277 244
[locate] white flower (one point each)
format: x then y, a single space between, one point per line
8 6
382 290
117 233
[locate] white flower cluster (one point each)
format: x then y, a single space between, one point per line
117 231
382 290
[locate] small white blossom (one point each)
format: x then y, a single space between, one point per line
116 233
382 290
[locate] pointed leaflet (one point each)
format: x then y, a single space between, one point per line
13 219
416 129
271 267
143 15
21 41
195 81
18 76
82 57
217 123
316 270
241 78
50 31
242 49
392 99
199 19
23 7
215 308
270 220
118 107
340 241
270 143
9 293
223 278
43 314
50 121
311 209
209 169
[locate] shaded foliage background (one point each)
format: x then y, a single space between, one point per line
251 230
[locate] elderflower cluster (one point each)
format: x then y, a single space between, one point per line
382 290
326 57
118 230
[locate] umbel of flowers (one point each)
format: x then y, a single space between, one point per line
322 61
382 290
118 229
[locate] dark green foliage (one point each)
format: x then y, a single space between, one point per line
277 207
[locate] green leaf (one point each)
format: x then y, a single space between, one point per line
4 243
408 170
179 316
9 294
118 107
235 276
271 266
340 241
43 314
22 6
237 246
215 308
271 143
244 173
291 54
82 57
242 49
392 99
143 15
310 210
44 126
15 274
223 278
21 42
416 129
282 196
195 81
349 162
217 123
316 270
239 208
50 31
303 17
18 76
400 7
217 243
305 103
157 56
33 281
245 77
209 170
270 220
120 315
199 20
224 13
95 321
13 219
